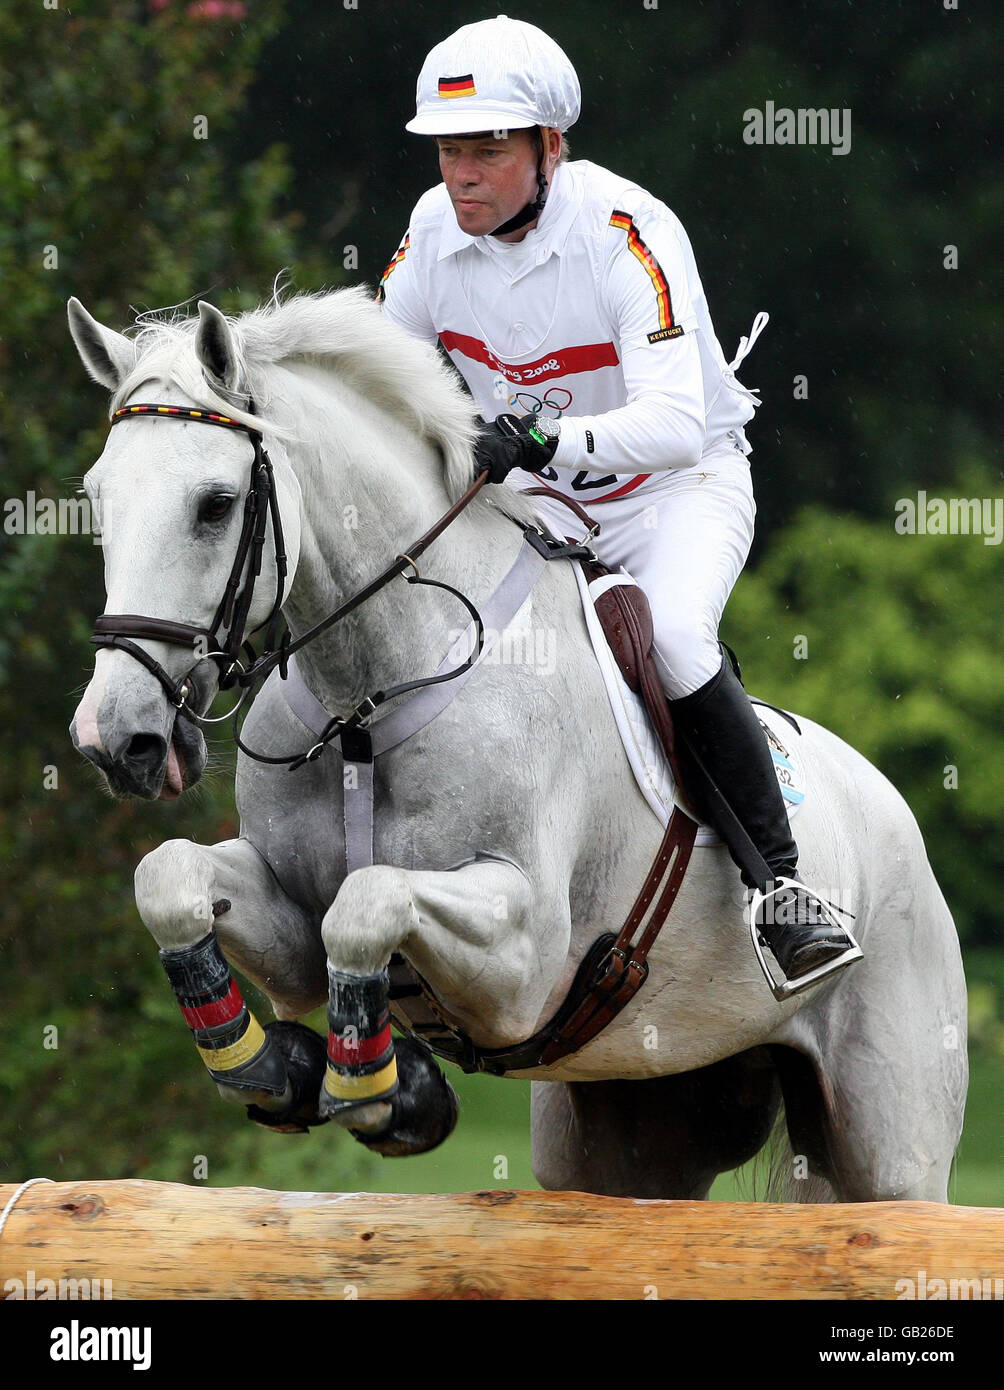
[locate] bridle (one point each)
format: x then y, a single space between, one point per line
116 630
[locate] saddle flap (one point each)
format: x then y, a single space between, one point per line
625 616
629 642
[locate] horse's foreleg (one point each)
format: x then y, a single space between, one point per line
467 930
200 903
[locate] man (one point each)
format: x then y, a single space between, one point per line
569 300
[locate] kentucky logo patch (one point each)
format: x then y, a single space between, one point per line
662 333
458 86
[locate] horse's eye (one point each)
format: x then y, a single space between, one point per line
215 508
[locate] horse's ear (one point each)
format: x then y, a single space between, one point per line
108 356
214 346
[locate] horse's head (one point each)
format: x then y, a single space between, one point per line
171 502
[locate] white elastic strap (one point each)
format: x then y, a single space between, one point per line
10 1205
746 345
745 348
599 587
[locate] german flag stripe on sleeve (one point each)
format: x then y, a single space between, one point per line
625 222
395 261
458 86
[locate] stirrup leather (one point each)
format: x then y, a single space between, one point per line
786 988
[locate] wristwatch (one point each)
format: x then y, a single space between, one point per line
546 431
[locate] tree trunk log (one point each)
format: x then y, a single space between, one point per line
166 1240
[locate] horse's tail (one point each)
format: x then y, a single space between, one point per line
778 1174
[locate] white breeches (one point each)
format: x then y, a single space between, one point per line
685 542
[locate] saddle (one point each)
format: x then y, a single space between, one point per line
615 967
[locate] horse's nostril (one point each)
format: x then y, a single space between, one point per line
146 750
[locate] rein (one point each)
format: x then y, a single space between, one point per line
117 629
614 968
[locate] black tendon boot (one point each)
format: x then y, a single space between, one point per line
725 751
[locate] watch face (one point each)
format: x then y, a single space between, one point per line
549 428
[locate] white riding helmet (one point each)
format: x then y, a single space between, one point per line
498 74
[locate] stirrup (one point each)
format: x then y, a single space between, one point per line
786 988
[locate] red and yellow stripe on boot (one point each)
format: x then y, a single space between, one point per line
244 1048
227 1035
361 1069
361 1063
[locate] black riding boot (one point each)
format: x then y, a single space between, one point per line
720 732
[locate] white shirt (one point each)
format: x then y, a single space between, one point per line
597 318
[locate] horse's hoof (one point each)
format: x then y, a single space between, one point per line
423 1112
306 1056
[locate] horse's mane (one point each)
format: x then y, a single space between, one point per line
345 331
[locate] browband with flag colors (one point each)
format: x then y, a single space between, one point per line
395 261
183 412
667 328
458 86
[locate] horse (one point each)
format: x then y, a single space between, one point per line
507 834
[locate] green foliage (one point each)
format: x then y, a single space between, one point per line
893 642
105 194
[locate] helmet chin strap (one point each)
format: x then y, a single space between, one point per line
531 210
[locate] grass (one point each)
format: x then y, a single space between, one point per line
490 1148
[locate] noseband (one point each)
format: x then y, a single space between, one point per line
116 630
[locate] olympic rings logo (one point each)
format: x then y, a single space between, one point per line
556 400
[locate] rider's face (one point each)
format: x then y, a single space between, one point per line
489 179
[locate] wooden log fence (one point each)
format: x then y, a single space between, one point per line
158 1240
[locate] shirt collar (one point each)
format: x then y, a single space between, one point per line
564 199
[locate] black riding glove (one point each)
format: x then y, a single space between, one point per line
507 443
